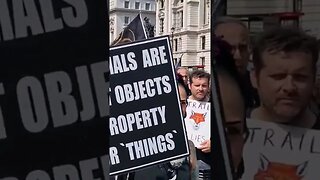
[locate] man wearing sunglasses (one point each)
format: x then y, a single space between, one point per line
236 34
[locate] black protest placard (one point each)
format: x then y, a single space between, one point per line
53 84
145 123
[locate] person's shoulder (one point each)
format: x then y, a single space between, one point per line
246 77
247 73
316 126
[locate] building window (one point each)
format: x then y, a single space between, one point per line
203 61
175 44
137 5
203 42
161 4
180 44
147 6
161 25
126 4
181 19
204 12
126 20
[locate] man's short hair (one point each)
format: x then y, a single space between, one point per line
284 39
228 19
199 74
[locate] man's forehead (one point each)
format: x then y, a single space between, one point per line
233 33
286 61
231 27
273 54
199 79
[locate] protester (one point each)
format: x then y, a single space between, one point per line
180 169
184 72
199 86
182 94
285 72
236 34
231 91
315 101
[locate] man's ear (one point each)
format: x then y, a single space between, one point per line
254 78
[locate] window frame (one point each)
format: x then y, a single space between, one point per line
128 3
135 5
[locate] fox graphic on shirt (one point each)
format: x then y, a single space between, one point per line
198 117
279 171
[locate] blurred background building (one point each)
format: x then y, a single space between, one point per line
187 22
122 12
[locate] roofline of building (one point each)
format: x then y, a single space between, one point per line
194 32
191 51
131 11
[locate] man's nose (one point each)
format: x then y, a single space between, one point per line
289 85
236 54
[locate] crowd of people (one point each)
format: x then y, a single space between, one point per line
281 87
